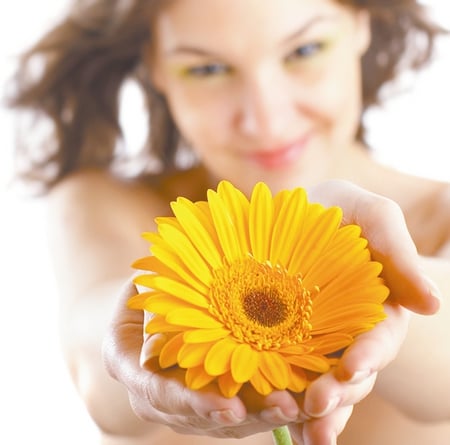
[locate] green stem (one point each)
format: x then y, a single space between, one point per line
281 436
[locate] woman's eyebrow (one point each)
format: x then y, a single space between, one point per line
193 50
313 21
187 49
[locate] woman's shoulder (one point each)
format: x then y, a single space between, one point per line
425 202
94 191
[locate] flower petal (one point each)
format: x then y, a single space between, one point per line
316 235
329 343
244 363
205 335
174 288
138 301
160 303
192 219
158 324
196 378
169 352
168 263
186 252
284 237
218 359
311 362
194 318
261 384
260 221
228 387
275 368
225 228
238 206
298 381
193 355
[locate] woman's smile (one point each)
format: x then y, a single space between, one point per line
281 156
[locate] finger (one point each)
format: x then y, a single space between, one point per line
375 349
322 431
277 408
326 394
191 425
163 391
383 224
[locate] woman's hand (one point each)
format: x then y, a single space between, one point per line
328 401
161 397
390 243
319 414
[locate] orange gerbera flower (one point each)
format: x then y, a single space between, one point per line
260 291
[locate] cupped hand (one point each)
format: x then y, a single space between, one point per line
160 396
328 401
317 416
384 226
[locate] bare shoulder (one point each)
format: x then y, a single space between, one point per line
425 203
93 202
429 216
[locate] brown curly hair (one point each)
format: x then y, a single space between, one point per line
86 59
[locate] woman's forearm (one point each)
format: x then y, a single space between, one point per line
418 382
83 324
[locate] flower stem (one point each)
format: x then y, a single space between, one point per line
281 436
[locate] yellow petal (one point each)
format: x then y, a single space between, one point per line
285 235
169 352
218 359
326 344
197 378
205 335
244 363
298 381
194 318
168 263
238 206
192 220
174 288
260 221
275 368
225 228
161 303
228 387
311 362
261 384
138 301
158 324
187 253
316 235
191 356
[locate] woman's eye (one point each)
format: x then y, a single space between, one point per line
306 51
212 69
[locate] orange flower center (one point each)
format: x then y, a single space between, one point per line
261 304
264 306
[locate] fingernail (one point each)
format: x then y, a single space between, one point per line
432 288
225 417
331 406
276 416
359 376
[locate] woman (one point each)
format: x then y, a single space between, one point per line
271 91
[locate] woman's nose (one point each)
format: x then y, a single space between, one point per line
266 107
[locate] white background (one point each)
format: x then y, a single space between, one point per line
37 401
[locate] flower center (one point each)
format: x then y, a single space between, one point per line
261 304
264 306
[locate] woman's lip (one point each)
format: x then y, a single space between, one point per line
280 156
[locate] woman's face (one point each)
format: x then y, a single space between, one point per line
263 90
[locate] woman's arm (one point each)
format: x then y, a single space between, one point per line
418 381
94 233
